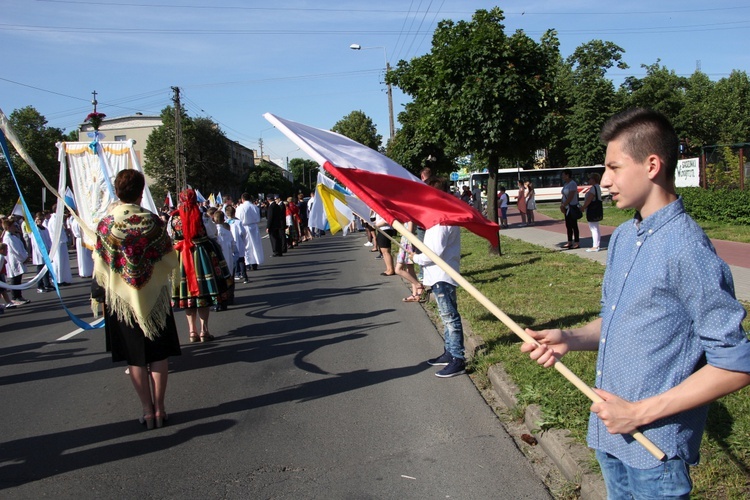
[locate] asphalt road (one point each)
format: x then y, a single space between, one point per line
315 387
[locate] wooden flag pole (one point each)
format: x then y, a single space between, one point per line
515 328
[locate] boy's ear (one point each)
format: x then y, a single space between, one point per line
654 167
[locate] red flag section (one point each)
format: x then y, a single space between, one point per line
396 198
384 185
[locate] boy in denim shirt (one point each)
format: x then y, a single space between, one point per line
669 336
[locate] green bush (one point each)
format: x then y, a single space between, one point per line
717 205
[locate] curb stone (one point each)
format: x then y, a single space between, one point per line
569 456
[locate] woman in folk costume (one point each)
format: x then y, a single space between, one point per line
292 222
133 260
202 278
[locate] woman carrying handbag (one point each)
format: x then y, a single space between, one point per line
594 209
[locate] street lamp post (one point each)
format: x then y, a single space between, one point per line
389 89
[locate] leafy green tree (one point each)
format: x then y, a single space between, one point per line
305 173
71 136
411 148
206 155
697 122
359 127
39 142
556 119
482 92
593 100
661 89
723 169
159 152
267 179
731 96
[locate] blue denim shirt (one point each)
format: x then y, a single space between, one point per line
668 306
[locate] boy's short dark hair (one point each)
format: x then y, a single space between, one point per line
645 132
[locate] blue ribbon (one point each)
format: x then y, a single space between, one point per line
38 239
94 145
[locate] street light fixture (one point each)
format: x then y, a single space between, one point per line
287 165
389 89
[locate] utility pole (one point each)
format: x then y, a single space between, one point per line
389 89
179 149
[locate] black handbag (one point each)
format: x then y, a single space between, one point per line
575 211
595 210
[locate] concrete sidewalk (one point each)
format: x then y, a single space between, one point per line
550 233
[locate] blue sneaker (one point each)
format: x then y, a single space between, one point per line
457 366
442 360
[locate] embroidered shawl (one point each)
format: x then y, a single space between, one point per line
133 261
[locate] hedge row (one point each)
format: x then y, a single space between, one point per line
717 205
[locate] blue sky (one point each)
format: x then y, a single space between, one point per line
235 59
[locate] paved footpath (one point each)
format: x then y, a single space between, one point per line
551 233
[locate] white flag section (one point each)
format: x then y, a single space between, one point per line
316 216
87 175
326 146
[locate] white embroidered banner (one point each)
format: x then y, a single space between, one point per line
92 174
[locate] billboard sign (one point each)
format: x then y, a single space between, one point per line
688 173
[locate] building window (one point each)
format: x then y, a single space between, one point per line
121 137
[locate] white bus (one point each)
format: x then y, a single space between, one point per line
547 181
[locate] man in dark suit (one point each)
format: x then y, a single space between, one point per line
276 225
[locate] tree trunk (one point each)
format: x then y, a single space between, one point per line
493 163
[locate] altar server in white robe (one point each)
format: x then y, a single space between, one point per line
59 255
85 260
249 214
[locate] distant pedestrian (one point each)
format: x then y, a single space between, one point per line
17 255
83 254
569 207
3 291
476 198
594 209
521 201
530 202
249 215
502 207
276 225
38 252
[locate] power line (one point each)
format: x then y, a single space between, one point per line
370 10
